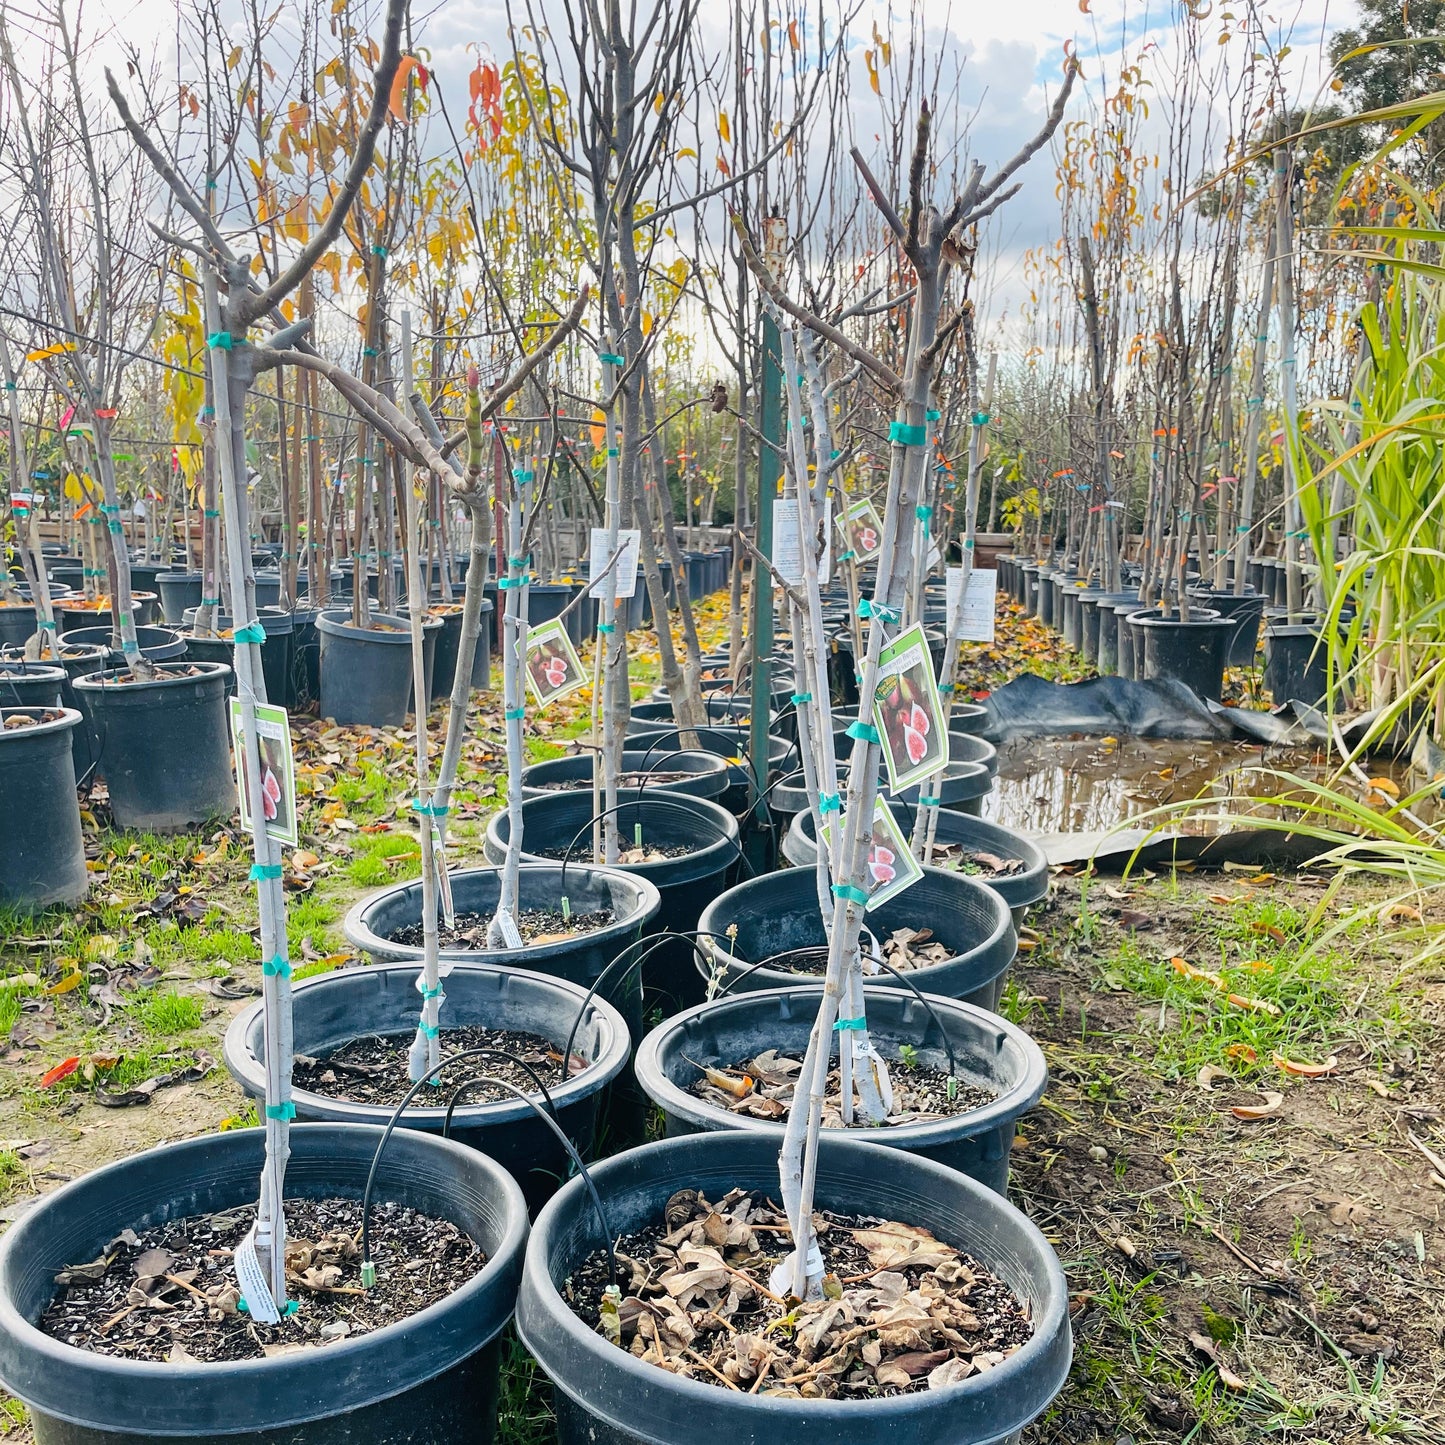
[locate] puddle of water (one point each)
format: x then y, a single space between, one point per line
1087 784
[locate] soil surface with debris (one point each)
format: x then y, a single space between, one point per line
536 925
762 1087
1242 1196
170 1295
645 853
373 1070
901 1311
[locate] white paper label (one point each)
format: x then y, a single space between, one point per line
788 540
507 927
252 1280
444 879
624 574
974 621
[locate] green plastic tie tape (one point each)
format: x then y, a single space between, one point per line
856 1026
863 732
379 251
292 1306
612 452
830 803
513 713
46 626
874 608
907 436
924 514
260 871
848 891
430 1031
115 527
93 571
224 341
431 993
211 512
9 386
430 810
929 802
799 698
612 358
520 563
370 351
849 556
130 647
934 415
281 1111
980 418
607 627
277 967
505 582
251 632
946 686
210 601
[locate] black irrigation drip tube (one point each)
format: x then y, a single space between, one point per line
636 802
886 967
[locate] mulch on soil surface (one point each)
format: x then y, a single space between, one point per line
169 1294
536 925
762 1087
373 1069
901 1311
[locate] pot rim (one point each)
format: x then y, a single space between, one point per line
101 681
336 622
68 719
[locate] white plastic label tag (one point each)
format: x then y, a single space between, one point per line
252 1280
507 927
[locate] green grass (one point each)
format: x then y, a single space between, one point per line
371 867
167 1014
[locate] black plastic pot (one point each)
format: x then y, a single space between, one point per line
334 1008
1070 622
179 591
159 644
1191 652
606 1396
546 600
705 774
966 747
268 588
1296 663
1057 582
431 1379
366 671
726 742
778 913
31 684
1088 643
1020 890
71 613
1254 574
165 749
304 687
989 1052
17 624
1106 612
968 717
42 857
1044 596
685 885
143 574
1029 588
1243 612
276 653
431 624
581 958
448 642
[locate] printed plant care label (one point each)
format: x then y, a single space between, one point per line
624 575
971 611
788 541
252 1281
907 711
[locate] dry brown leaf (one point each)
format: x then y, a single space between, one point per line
1210 1075
1272 1104
891 1244
1307 1071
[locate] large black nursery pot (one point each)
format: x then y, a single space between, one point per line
431 1379
366 671
72 612
1296 663
332 1009
964 786
1044 597
685 884
606 1396
1107 619
1021 889
158 644
1070 621
179 591
1191 651
42 855
164 745
448 644
699 774
1088 644
988 1052
730 743
276 650
1243 611
777 916
31 684
580 958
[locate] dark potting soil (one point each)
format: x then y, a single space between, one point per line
646 853
536 925
974 860
624 780
762 1088
170 1293
903 949
901 1312
373 1069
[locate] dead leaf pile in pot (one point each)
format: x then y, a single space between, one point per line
902 1312
908 948
762 1088
974 860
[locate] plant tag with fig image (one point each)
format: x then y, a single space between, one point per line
278 771
907 711
552 665
891 866
862 531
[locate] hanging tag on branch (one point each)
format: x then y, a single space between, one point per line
862 530
907 711
975 622
788 540
278 771
891 864
553 667
624 575
444 879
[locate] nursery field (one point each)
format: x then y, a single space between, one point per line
1252 1250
